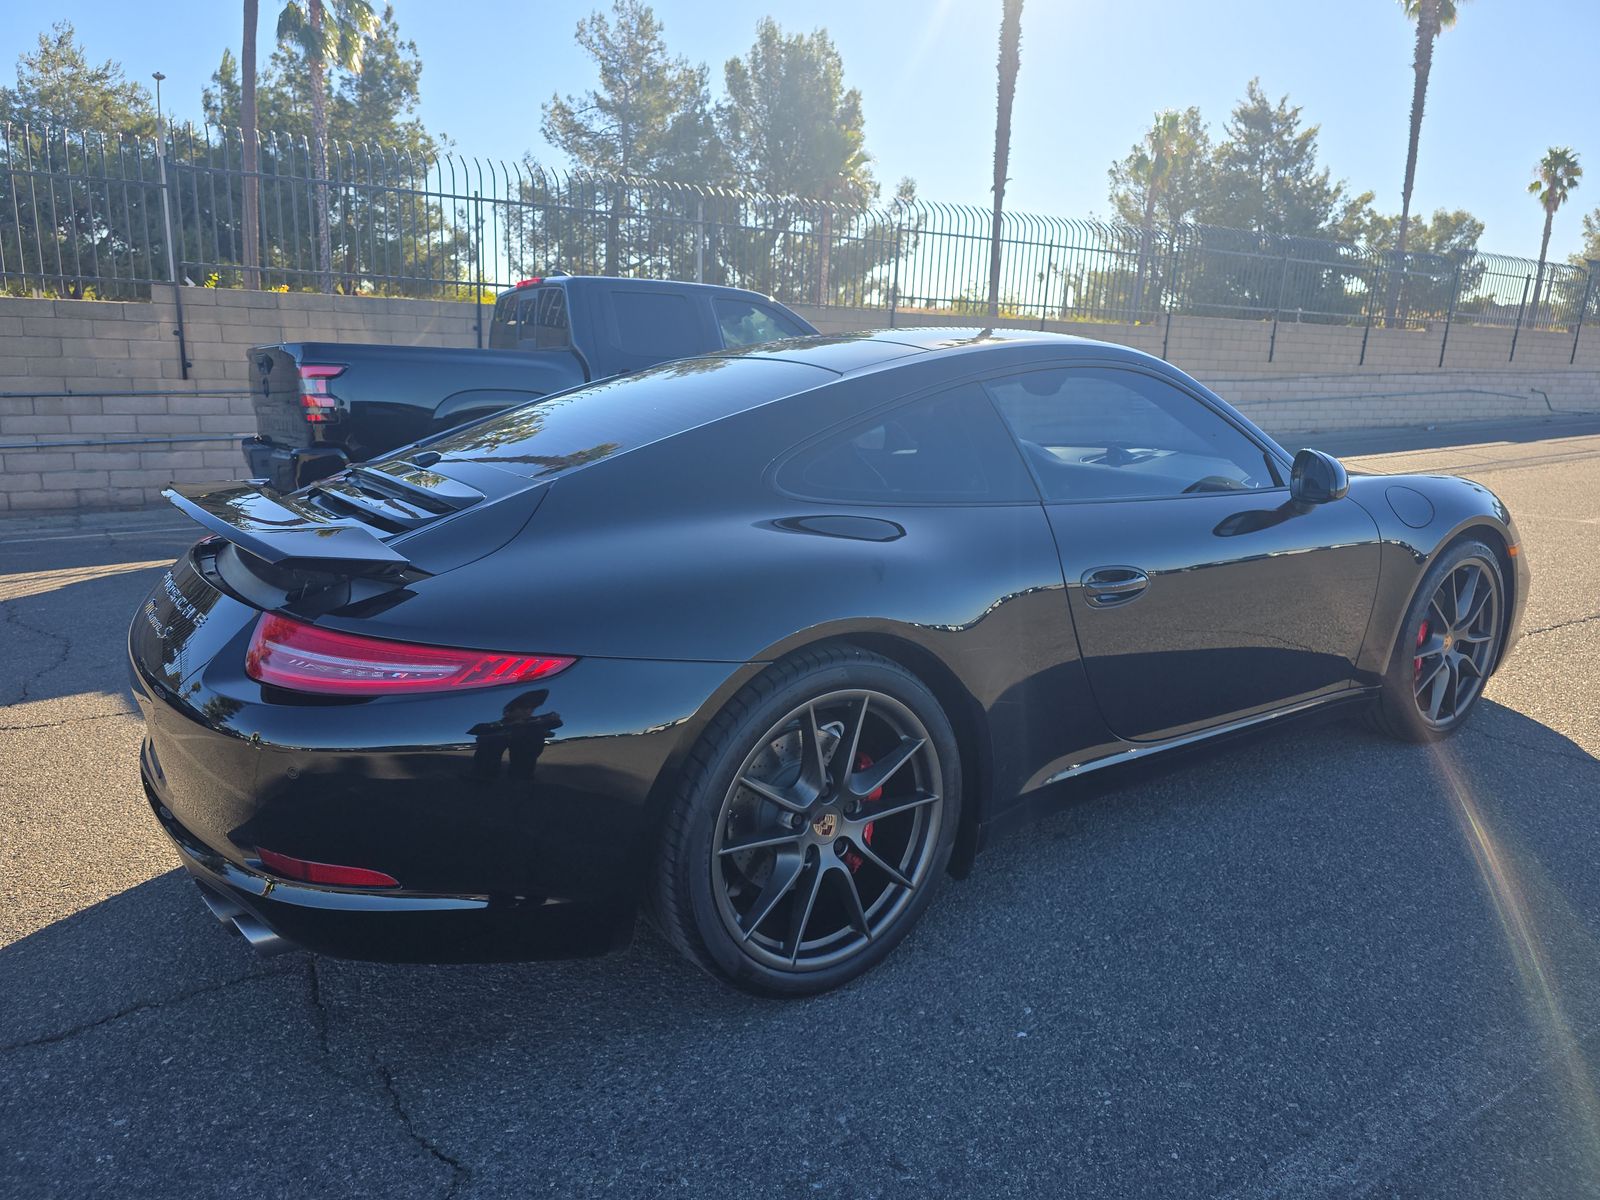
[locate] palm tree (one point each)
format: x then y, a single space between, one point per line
1151 164
326 32
1432 18
251 232
1010 61
1558 176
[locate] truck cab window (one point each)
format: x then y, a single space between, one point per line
746 324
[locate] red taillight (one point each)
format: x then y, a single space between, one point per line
304 658
537 279
331 874
316 402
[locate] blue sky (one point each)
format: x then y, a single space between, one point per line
1508 82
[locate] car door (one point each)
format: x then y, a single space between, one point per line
1199 591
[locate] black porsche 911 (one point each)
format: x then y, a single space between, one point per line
767 643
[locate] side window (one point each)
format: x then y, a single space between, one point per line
948 447
1098 433
658 324
744 323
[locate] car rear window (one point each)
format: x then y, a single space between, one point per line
552 436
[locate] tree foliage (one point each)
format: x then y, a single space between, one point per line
380 233
68 118
58 85
1168 177
1268 179
790 125
649 113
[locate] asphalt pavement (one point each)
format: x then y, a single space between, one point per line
1312 964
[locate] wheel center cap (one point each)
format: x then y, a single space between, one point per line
826 825
1449 641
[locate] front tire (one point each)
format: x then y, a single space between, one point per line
1448 645
813 823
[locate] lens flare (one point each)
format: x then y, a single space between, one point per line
1542 997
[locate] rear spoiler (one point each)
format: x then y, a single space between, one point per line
285 533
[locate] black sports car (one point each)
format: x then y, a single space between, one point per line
767 643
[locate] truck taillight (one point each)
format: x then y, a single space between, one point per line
316 401
307 658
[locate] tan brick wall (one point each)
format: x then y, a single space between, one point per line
94 412
1317 381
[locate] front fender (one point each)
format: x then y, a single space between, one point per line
1417 517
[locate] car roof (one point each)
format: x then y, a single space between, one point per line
849 353
642 285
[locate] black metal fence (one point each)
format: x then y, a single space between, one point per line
81 216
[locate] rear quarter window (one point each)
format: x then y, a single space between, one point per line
949 447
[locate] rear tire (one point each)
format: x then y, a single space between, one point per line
1448 645
813 823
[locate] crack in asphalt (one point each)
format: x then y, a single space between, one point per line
1561 625
459 1172
14 617
319 1011
139 1006
65 721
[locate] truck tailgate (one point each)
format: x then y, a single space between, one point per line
280 418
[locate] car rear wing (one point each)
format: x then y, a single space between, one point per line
281 531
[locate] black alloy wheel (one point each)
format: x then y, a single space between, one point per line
1456 642
1449 644
811 836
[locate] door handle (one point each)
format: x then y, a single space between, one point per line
1106 587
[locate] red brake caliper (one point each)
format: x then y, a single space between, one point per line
851 858
1422 636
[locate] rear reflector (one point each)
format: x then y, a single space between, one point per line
317 404
304 658
331 874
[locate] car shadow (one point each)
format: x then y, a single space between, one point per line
1283 927
62 605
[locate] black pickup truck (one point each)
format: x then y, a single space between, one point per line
321 405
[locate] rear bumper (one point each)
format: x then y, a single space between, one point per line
288 468
276 915
520 822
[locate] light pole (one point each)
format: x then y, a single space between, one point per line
166 224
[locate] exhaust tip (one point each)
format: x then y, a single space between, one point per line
232 915
262 940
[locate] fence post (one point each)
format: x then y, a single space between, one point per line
699 239
1372 295
1169 269
1450 313
894 277
477 258
1588 290
166 224
1527 282
1283 283
1044 303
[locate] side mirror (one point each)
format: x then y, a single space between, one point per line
1317 478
